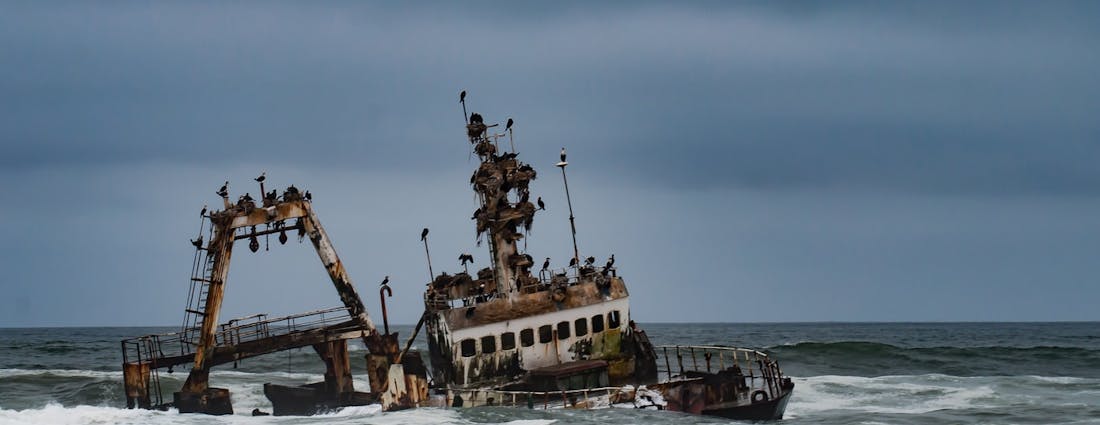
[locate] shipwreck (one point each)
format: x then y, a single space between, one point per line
510 334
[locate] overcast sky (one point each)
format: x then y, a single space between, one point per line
744 161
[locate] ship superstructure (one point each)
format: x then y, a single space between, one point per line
511 318
514 334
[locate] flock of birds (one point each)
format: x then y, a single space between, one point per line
464 258
224 191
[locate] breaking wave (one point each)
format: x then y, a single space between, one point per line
876 359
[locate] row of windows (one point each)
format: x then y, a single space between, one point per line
546 334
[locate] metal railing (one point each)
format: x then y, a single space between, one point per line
678 362
587 398
546 282
151 348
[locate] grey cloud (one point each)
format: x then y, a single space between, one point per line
868 149
895 95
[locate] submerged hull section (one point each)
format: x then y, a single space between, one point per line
311 399
763 411
703 380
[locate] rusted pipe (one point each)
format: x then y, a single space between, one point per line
382 293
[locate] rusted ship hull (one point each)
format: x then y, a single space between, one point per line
763 411
311 399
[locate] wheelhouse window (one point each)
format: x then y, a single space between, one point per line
613 319
563 330
507 340
581 327
546 334
488 344
469 347
527 337
597 323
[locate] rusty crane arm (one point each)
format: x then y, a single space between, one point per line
220 248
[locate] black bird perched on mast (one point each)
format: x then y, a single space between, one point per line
573 262
462 100
562 154
385 281
197 242
508 127
542 206
224 191
424 234
546 264
610 261
203 212
465 258
262 177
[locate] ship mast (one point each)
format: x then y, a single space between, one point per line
498 180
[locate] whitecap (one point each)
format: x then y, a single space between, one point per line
75 373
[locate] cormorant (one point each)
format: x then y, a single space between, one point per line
573 262
542 206
508 127
203 212
197 242
610 261
562 154
262 177
424 234
224 191
465 258
385 281
475 118
588 261
462 97
546 264
309 196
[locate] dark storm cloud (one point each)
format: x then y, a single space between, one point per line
937 97
859 160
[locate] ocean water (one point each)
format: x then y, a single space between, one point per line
846 373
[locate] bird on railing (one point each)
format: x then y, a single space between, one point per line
573 262
546 264
197 242
385 281
224 191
